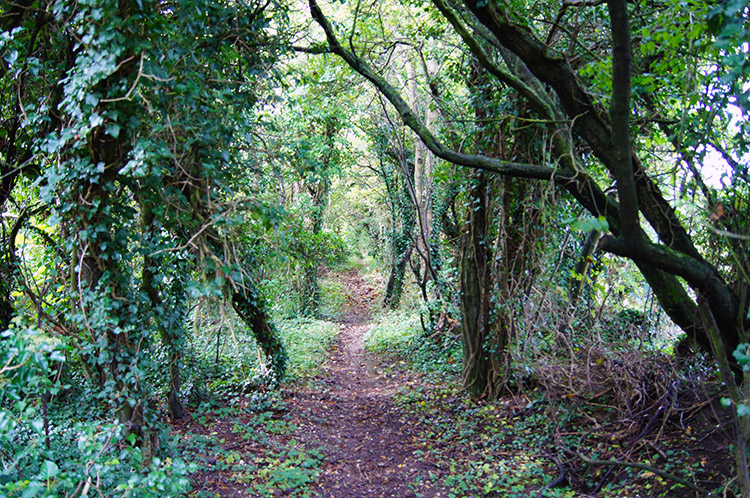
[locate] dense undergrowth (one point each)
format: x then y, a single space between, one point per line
615 421
58 438
601 418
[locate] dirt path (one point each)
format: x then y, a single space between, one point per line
367 444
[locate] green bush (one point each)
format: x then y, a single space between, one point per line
399 334
49 452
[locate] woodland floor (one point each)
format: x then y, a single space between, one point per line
342 426
365 426
368 445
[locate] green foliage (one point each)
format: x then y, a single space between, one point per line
134 119
270 467
291 471
25 377
333 298
393 333
398 335
727 21
590 224
47 451
149 165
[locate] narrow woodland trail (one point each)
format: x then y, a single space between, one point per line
368 446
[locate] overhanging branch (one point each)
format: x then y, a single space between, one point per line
522 170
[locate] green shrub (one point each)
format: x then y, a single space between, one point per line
399 334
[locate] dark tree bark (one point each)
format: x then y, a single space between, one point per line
479 359
578 278
251 309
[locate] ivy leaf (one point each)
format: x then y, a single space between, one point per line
113 129
33 489
11 57
49 470
37 425
742 356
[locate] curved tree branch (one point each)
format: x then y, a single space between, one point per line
590 120
660 263
412 121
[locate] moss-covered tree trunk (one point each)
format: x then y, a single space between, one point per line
252 310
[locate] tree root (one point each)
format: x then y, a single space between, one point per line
561 478
646 467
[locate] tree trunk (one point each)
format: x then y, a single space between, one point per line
402 243
169 331
310 296
479 358
251 309
394 287
577 281
318 184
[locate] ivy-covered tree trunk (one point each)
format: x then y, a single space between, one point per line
97 276
169 326
318 184
310 297
207 246
403 221
402 250
479 358
107 312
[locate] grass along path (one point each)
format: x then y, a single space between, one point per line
368 445
338 434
